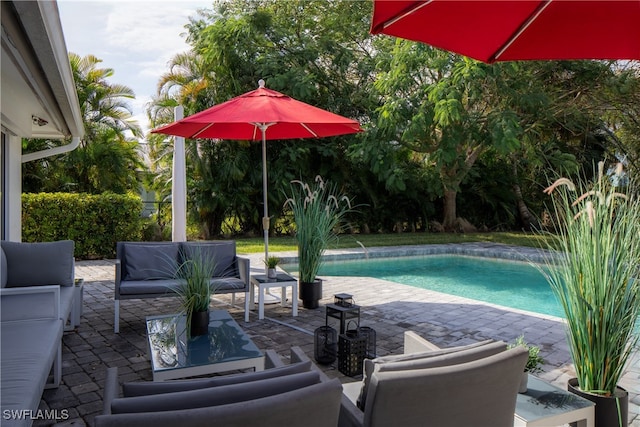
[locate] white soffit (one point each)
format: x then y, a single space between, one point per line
39 99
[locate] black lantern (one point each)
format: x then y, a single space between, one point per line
370 336
325 345
343 300
352 348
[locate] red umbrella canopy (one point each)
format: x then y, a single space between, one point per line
241 117
507 30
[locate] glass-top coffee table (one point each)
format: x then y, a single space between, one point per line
225 348
547 405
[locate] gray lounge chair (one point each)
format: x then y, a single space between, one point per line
474 385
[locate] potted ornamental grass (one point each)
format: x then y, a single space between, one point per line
318 210
194 294
596 281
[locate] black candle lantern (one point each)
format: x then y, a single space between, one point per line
370 336
325 346
343 300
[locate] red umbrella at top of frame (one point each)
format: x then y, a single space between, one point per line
507 30
262 114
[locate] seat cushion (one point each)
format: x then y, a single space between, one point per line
149 287
213 396
28 350
429 359
151 260
227 284
33 264
143 388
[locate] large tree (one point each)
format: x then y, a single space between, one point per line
454 110
311 51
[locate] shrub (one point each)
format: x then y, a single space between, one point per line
94 222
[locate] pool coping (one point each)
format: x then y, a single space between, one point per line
479 249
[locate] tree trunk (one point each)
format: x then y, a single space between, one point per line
523 209
451 177
449 220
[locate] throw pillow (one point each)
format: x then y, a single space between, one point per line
150 261
223 254
214 396
34 264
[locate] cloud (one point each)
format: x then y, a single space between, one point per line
148 28
137 39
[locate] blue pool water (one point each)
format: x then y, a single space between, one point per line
507 283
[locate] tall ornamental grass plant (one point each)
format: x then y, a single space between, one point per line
596 278
195 293
318 211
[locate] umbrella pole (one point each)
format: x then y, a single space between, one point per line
265 218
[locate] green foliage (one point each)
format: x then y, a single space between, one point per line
107 159
535 361
596 278
272 262
318 210
431 116
235 43
94 222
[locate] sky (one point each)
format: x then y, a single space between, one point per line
136 39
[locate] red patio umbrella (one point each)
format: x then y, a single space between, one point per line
507 30
261 114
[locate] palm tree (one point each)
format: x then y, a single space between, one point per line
107 158
215 172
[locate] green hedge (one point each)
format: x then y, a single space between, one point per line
94 222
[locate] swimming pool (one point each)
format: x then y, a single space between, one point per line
508 283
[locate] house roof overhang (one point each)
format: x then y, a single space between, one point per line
39 99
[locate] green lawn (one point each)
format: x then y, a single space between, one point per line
277 244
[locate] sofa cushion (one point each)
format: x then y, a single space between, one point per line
3 268
149 287
28 349
223 254
144 388
429 359
32 264
227 284
150 261
214 396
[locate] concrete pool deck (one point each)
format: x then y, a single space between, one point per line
388 307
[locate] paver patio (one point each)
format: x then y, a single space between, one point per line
388 307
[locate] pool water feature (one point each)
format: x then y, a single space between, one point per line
511 284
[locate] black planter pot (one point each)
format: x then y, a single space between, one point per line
611 411
199 323
310 293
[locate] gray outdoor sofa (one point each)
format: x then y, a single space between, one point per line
38 297
147 270
297 394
